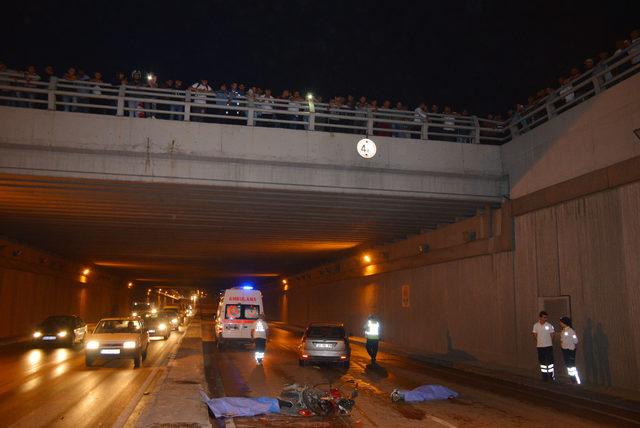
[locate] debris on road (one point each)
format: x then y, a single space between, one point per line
423 393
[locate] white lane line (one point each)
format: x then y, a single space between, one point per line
441 421
126 413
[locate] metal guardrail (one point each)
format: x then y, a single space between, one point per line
195 106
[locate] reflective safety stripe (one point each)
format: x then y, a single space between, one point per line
373 329
544 370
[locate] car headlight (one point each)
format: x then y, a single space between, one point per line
62 333
37 334
129 345
134 314
175 320
162 326
93 344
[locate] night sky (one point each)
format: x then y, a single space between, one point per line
480 55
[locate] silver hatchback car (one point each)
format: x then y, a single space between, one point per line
324 342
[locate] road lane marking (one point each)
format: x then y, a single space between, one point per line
128 411
441 421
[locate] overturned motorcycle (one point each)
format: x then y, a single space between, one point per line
304 400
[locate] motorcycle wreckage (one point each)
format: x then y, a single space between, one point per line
304 400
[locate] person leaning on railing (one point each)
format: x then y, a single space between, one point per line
96 89
70 101
177 110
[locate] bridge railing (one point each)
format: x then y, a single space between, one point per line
194 106
606 74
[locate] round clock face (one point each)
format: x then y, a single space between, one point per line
366 148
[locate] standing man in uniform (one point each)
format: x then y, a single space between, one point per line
543 336
372 334
259 335
568 342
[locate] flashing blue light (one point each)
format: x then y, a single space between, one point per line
247 287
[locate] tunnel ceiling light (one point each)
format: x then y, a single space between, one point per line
86 271
284 282
366 258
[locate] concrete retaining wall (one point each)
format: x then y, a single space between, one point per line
590 136
34 285
482 308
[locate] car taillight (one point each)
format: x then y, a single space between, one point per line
305 356
343 357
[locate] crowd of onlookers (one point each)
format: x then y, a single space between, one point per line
578 84
229 103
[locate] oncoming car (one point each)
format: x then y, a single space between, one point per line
172 316
158 326
324 342
67 330
117 338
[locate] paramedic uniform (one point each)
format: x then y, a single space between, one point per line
544 346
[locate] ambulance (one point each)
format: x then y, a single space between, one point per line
238 310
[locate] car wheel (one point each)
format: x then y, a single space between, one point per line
345 364
137 360
302 363
88 361
219 344
144 354
166 336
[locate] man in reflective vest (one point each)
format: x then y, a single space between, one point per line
372 334
568 343
259 335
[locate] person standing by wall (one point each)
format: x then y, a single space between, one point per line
543 336
372 334
568 342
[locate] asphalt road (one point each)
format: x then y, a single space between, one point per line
52 386
480 403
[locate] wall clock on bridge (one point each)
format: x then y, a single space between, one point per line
366 148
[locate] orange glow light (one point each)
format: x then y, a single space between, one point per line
366 258
86 271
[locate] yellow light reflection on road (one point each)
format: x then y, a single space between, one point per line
61 369
28 386
34 356
61 355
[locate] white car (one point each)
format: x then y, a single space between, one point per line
117 338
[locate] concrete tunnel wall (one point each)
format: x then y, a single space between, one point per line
481 309
34 285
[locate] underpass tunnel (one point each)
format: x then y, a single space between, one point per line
136 239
